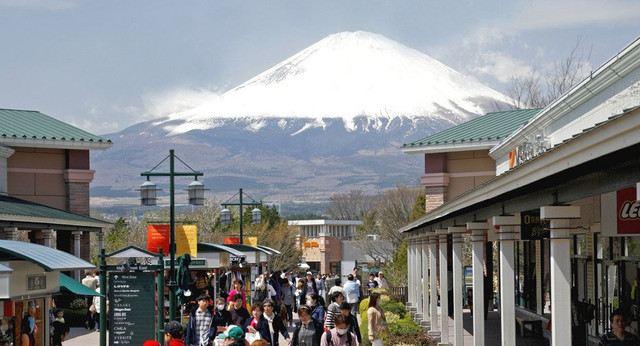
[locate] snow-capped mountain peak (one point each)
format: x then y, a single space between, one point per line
347 75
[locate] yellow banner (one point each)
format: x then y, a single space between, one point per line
253 241
187 240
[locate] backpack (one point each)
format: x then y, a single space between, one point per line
261 295
349 338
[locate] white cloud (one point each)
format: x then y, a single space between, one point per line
502 67
54 5
548 14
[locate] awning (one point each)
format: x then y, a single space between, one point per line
48 258
15 212
209 247
70 285
270 249
132 251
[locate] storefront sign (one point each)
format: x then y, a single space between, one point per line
532 227
620 213
131 307
36 282
528 150
158 237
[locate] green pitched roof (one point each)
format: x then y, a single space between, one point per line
486 128
18 125
17 210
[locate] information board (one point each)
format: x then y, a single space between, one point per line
532 227
131 308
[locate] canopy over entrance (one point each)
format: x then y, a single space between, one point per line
48 258
70 285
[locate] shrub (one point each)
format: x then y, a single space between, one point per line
394 306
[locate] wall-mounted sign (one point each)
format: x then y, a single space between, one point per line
620 213
528 150
532 227
36 282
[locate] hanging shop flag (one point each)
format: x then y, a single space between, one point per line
231 241
532 227
187 240
620 212
253 241
158 237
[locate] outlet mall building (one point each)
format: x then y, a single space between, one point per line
557 190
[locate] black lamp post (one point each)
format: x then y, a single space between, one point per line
148 197
256 214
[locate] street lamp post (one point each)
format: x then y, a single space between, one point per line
148 198
256 214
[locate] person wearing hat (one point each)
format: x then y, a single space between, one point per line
233 336
309 331
173 334
199 331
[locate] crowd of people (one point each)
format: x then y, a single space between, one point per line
326 309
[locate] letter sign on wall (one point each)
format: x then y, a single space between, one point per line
628 211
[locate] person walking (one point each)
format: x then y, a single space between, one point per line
382 282
339 335
317 310
221 317
90 281
239 314
238 288
173 334
352 293
60 329
199 331
352 321
96 308
309 331
376 321
276 325
618 336
257 324
333 310
288 299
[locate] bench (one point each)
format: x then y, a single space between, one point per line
529 326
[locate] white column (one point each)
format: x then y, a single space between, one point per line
77 235
444 287
10 233
417 300
5 153
560 261
425 280
507 235
457 239
433 243
49 238
419 275
410 278
477 254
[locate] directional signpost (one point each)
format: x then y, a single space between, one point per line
132 306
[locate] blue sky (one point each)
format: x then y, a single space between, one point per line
106 65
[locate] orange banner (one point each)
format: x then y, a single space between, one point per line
158 237
231 241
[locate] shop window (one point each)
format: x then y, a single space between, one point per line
526 275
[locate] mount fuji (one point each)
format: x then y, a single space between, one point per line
330 118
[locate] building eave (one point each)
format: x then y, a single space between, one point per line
444 148
607 74
53 221
55 144
616 134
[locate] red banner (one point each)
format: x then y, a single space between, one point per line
628 209
158 238
231 241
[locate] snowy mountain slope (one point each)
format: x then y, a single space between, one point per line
328 119
346 75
